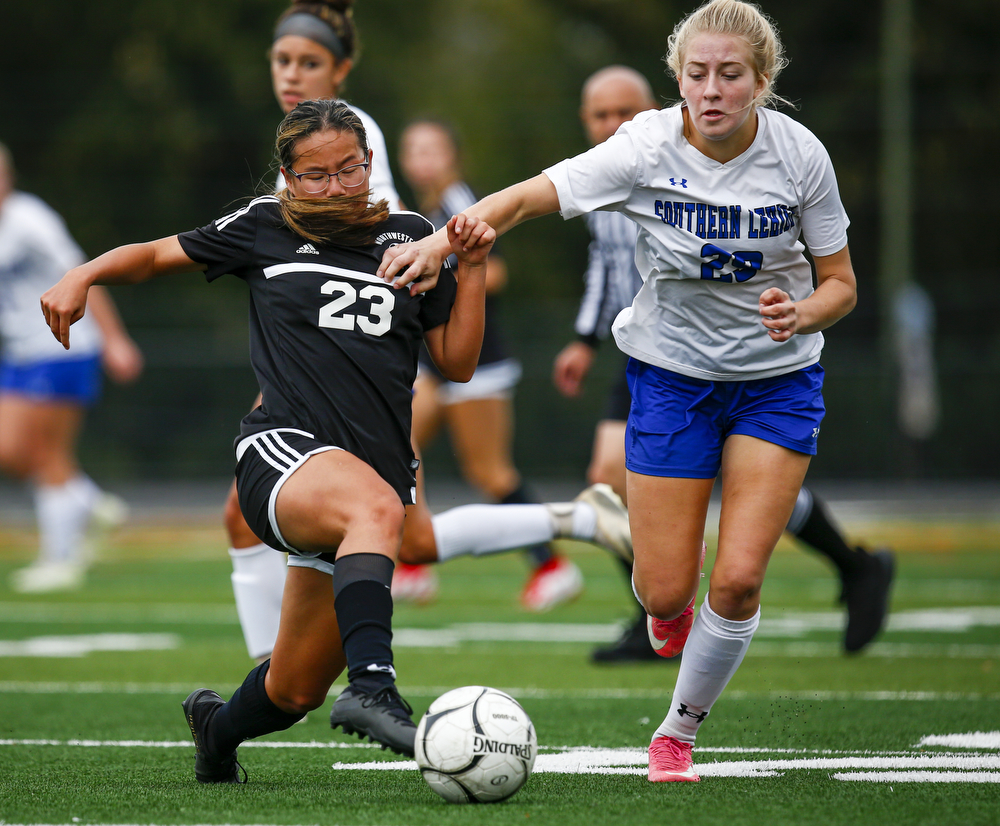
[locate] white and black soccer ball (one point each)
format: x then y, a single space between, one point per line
475 745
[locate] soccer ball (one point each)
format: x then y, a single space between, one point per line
475 745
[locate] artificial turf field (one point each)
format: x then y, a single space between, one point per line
91 730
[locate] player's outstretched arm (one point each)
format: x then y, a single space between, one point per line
455 345
502 210
66 302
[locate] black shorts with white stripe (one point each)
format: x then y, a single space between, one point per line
264 461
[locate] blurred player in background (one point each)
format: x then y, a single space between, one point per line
479 415
45 391
611 97
313 51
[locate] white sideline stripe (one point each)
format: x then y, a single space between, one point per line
923 768
79 645
973 740
26 687
920 777
635 761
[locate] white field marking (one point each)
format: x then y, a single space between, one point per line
26 687
956 620
80 645
880 766
174 744
878 650
920 777
635 761
972 740
118 613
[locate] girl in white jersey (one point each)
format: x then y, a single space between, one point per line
724 336
45 392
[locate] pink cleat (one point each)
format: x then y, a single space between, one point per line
670 760
668 636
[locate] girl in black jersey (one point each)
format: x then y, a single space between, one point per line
324 464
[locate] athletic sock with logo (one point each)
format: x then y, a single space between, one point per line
363 604
714 650
249 713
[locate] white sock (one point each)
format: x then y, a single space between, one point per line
63 512
713 652
573 520
490 529
258 582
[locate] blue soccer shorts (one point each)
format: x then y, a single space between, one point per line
76 380
677 425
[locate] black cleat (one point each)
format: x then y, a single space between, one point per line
199 708
866 596
632 647
381 715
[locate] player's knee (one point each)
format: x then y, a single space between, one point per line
735 593
665 600
382 511
419 545
299 699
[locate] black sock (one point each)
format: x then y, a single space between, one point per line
819 532
541 553
364 613
249 713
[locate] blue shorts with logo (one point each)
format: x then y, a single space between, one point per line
677 425
72 380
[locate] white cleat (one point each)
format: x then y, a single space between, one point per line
108 512
43 577
613 531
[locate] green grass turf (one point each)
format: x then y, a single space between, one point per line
795 692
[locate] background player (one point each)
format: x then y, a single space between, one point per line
45 391
478 415
610 97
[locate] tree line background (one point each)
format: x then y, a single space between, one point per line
143 118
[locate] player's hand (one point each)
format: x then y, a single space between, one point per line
122 359
779 314
64 304
415 265
471 239
571 367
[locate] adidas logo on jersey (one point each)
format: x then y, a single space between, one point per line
307 249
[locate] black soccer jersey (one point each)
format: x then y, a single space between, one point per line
334 347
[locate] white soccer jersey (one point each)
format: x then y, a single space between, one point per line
380 183
712 237
36 250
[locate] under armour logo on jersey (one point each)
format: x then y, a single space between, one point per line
682 182
307 249
683 712
815 432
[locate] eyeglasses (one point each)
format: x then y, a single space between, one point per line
349 177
